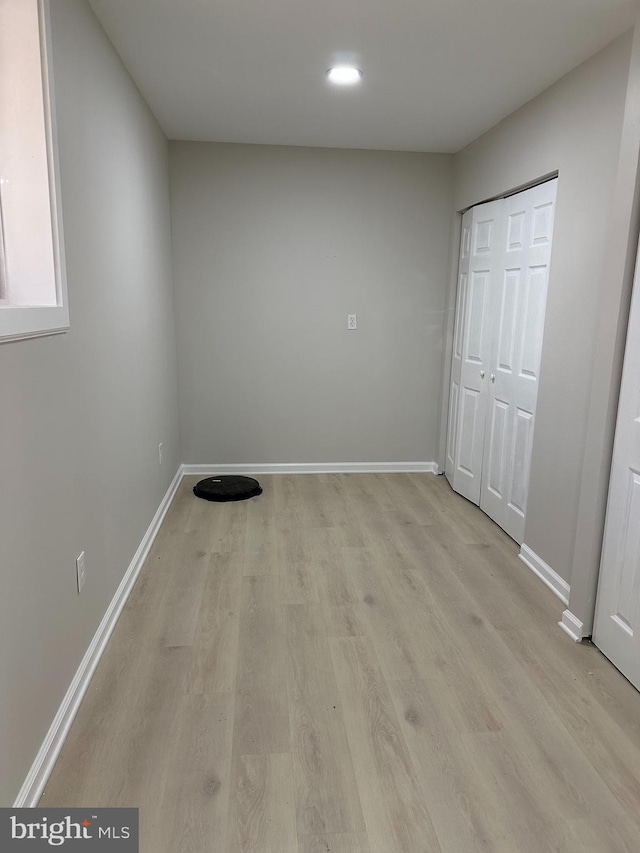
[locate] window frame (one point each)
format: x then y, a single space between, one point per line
3 266
18 322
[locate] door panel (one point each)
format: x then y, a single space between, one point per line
515 230
519 297
452 428
469 421
475 324
458 336
496 464
542 221
508 320
625 607
617 623
535 299
519 467
475 337
483 228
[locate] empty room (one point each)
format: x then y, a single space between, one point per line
320 426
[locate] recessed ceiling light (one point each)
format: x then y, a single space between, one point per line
344 75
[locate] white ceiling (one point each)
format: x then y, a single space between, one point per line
437 73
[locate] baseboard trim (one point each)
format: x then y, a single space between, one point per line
314 468
546 574
43 764
572 626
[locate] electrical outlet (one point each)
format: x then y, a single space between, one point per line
160 449
80 572
352 322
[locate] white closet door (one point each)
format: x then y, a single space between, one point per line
474 347
518 301
617 623
458 331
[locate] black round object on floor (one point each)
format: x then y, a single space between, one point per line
227 488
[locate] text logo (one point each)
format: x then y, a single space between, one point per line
86 830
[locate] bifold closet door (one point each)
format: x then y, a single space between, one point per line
456 355
472 345
518 302
502 290
617 624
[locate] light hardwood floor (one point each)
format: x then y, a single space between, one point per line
355 664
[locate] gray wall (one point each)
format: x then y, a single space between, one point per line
82 413
574 127
272 247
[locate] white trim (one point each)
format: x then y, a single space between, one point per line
314 468
19 322
545 573
572 626
42 766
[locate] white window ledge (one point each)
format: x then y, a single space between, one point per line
18 322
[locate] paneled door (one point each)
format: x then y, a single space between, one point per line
472 346
518 301
617 623
502 291
456 356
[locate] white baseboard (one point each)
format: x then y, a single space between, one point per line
545 573
314 468
572 626
42 766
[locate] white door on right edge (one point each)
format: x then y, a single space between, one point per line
518 301
617 624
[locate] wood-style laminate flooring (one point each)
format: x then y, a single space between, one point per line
352 664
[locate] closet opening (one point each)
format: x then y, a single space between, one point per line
503 273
